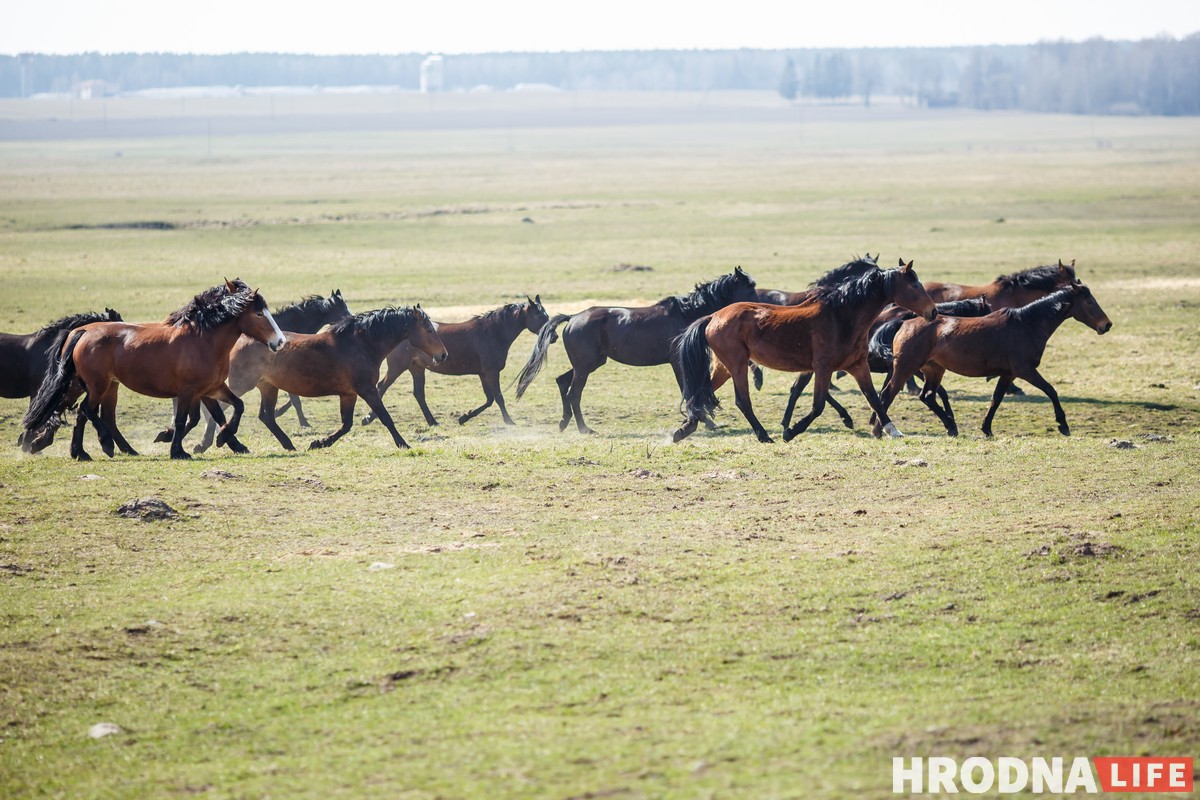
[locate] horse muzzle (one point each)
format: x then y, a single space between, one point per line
440 357
1104 327
277 344
932 315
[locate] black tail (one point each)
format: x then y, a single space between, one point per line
546 337
50 395
690 353
879 348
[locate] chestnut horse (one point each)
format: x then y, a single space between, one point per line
185 357
827 333
344 360
1005 344
1009 291
639 337
478 346
25 358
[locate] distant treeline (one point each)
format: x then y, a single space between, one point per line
1153 76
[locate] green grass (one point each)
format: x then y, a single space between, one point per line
612 615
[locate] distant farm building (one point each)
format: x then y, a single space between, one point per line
432 69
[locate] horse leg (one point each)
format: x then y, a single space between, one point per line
741 396
500 399
77 451
797 389
489 395
842 412
392 374
820 394
217 417
210 429
268 393
1002 384
108 413
228 432
574 395
418 378
183 410
294 399
929 395
564 386
168 433
347 402
373 399
1060 416
911 385
862 374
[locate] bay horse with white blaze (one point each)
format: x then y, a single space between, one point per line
827 333
184 357
639 336
478 346
1004 344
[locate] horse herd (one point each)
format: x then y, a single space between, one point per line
858 318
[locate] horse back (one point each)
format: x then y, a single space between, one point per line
20 360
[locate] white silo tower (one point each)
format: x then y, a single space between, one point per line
431 74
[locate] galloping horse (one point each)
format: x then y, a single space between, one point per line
639 337
344 360
25 358
1006 344
827 333
1009 291
246 359
185 357
478 346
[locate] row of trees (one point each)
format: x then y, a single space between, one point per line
1155 76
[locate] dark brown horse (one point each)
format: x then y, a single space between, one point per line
827 333
26 358
478 346
1005 344
344 360
639 337
185 357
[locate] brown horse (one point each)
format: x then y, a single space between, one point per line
1005 344
1009 291
639 336
185 357
827 333
344 360
478 346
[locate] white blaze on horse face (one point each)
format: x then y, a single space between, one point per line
893 431
279 339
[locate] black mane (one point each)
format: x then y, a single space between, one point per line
1045 278
216 306
856 290
853 269
1054 303
75 320
312 301
496 312
378 322
711 296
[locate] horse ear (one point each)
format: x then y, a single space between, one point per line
902 262
230 287
537 298
905 268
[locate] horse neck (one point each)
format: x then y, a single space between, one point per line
1043 317
510 324
223 337
296 319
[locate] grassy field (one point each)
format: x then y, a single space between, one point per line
522 613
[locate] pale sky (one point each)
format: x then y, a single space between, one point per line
473 26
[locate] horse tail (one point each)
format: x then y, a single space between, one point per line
879 348
50 395
546 337
690 353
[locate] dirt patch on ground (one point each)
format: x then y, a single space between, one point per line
147 509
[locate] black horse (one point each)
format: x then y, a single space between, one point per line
25 358
478 346
639 337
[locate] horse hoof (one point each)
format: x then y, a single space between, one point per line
317 445
893 431
679 436
766 439
238 447
81 456
953 432
365 420
1064 430
180 455
464 419
132 452
789 434
562 426
587 431
164 436
849 423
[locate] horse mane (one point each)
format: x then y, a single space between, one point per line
1045 278
708 297
216 306
853 269
305 303
1053 303
853 291
75 320
496 312
378 322
975 307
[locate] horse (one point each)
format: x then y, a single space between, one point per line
827 333
1009 291
879 348
185 357
1006 344
851 269
25 358
478 346
307 315
344 360
639 337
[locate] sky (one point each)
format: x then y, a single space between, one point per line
476 26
